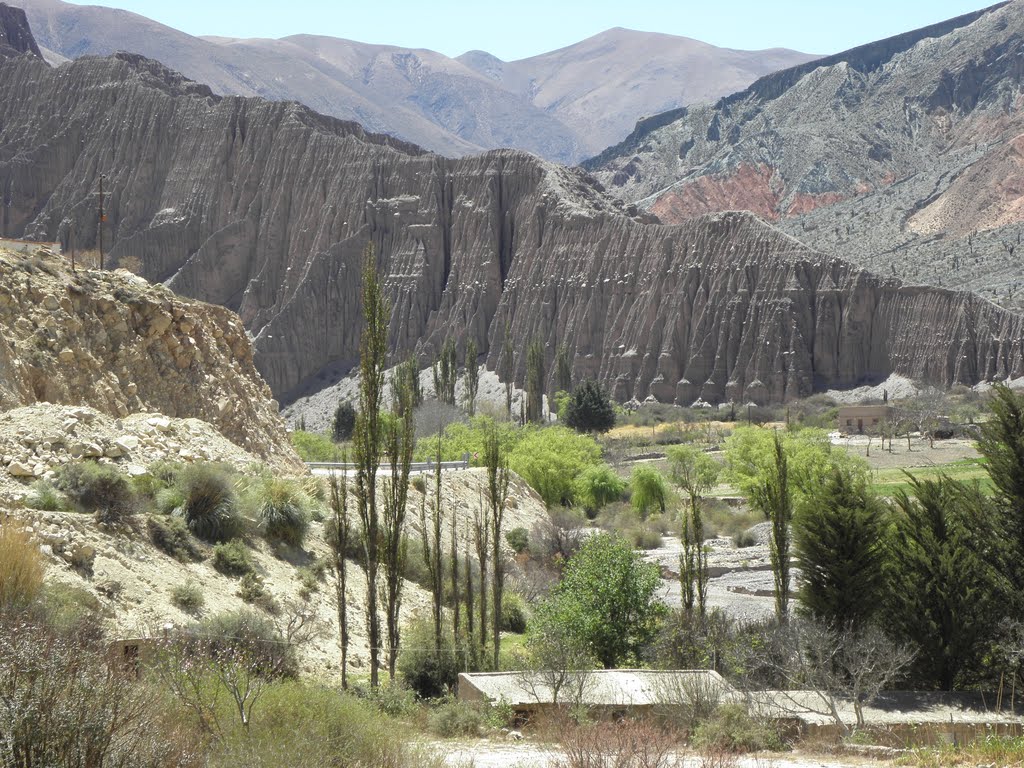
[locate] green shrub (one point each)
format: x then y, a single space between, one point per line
314 446
732 728
169 534
68 609
167 500
232 558
650 492
302 725
309 580
45 497
513 613
282 514
598 486
428 674
393 699
255 634
419 483
744 539
551 458
159 476
210 505
344 422
518 539
188 597
453 718
646 537
93 487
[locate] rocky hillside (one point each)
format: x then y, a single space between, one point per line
134 582
564 105
111 341
267 208
902 155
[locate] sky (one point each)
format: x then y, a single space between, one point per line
519 28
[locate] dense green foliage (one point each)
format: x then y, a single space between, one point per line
283 512
607 600
551 459
210 506
93 487
945 596
344 422
589 409
650 492
314 446
840 545
598 486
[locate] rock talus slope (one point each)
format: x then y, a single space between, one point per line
111 341
267 208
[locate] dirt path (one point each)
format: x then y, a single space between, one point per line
492 753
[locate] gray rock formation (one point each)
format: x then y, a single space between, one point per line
900 155
267 207
15 35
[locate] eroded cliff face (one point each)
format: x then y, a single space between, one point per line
267 208
15 34
111 341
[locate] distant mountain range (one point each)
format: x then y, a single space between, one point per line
564 105
905 156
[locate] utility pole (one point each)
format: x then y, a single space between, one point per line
102 219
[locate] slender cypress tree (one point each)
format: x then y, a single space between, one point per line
367 441
472 377
497 496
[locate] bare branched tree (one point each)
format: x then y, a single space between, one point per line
338 530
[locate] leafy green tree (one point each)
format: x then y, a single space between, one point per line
649 490
589 410
840 546
696 473
945 593
607 600
551 458
344 422
777 473
597 486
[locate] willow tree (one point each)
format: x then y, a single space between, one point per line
367 440
498 477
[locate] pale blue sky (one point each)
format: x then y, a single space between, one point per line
520 28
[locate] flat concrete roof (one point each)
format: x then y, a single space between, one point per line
603 687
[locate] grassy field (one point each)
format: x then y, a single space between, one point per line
890 480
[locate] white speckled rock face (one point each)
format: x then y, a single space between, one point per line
266 208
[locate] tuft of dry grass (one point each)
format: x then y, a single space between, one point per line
21 567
